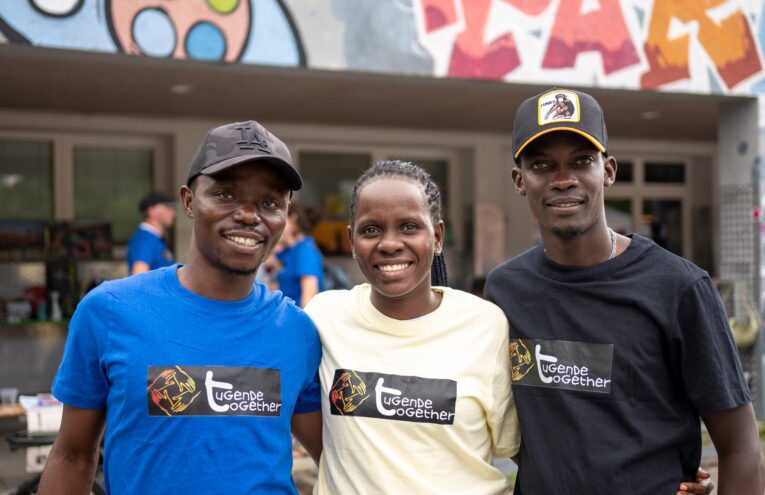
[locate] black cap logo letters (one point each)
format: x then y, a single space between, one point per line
248 142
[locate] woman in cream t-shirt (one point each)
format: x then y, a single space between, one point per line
415 378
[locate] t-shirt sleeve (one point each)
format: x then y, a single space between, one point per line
502 417
309 399
81 380
308 261
141 249
709 364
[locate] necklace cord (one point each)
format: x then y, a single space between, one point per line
613 244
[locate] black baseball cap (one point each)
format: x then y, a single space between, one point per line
155 198
559 109
241 142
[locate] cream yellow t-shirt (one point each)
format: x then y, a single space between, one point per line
413 406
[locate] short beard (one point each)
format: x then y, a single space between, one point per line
233 271
568 233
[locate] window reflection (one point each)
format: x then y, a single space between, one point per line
662 222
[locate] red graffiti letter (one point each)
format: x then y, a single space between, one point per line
603 30
471 56
438 14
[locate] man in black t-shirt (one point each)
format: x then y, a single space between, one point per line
618 346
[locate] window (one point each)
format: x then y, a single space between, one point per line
623 171
26 185
672 173
328 180
109 183
662 221
52 180
619 215
652 197
437 170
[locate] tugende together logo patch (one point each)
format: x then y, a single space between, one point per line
228 391
401 398
562 364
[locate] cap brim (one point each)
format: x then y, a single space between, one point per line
591 139
294 181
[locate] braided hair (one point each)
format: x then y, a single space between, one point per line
408 170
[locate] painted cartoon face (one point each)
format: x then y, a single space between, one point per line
198 29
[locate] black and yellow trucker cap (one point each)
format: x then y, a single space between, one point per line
559 109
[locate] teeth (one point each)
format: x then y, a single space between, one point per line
244 241
393 268
565 205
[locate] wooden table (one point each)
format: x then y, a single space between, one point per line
11 411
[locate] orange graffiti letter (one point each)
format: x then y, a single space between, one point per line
730 44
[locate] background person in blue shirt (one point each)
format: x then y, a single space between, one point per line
302 274
147 249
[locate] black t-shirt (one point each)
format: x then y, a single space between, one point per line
612 366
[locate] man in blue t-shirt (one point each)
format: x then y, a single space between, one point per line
147 249
197 374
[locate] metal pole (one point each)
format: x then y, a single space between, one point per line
757 355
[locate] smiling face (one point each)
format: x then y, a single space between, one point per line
239 215
394 239
564 176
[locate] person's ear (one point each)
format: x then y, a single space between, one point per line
187 201
520 188
610 171
439 234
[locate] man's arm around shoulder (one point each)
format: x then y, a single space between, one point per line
736 438
72 462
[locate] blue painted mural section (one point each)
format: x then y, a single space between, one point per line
86 29
263 33
274 39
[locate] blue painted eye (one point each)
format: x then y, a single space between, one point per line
205 41
154 33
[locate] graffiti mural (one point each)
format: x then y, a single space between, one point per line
709 46
249 31
635 44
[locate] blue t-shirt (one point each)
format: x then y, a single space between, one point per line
145 245
198 392
300 260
